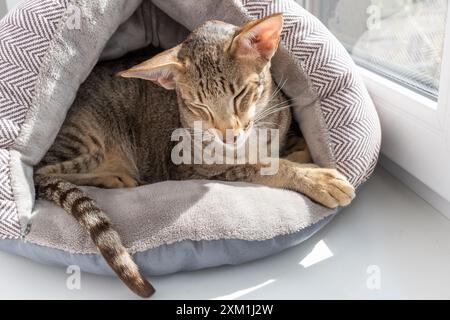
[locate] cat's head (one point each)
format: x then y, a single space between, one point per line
220 73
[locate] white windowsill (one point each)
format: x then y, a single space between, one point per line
387 226
415 144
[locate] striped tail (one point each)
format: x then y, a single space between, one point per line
73 200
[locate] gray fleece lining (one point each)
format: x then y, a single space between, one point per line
173 211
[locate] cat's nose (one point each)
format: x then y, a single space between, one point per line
234 137
231 140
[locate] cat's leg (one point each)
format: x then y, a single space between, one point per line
108 180
302 156
93 169
326 186
80 164
294 143
296 150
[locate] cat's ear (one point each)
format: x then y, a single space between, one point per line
258 38
162 69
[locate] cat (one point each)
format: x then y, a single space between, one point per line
117 132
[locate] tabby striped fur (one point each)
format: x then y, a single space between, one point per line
74 201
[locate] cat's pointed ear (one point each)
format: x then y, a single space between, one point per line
258 38
162 69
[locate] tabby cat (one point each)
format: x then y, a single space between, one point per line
117 132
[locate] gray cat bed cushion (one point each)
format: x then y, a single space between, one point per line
48 48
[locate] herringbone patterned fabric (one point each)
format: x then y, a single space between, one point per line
346 106
25 34
9 220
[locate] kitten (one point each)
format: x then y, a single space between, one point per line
117 132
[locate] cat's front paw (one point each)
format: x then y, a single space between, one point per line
328 187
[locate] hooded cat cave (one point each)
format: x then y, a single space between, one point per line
49 47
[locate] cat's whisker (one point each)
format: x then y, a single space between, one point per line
264 125
274 110
265 115
275 105
270 110
266 122
279 87
282 102
265 111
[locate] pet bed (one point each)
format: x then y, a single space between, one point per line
48 48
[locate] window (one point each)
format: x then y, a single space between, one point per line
402 48
6 5
399 39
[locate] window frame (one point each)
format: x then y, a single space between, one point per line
415 128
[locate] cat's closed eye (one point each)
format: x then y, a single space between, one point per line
237 99
201 110
243 99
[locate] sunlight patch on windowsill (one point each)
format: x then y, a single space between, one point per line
319 253
243 292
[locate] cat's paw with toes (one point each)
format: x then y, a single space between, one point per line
329 188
